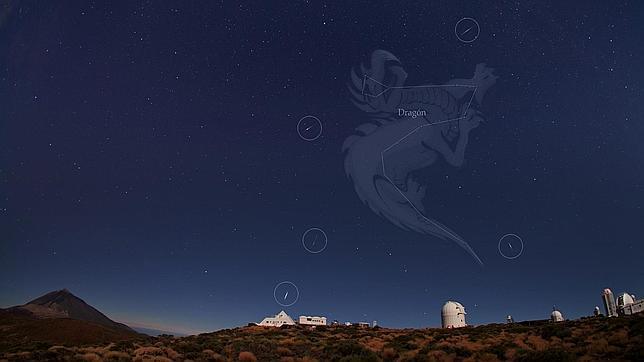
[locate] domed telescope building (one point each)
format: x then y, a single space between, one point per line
625 299
626 304
453 315
556 316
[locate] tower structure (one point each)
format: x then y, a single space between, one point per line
609 303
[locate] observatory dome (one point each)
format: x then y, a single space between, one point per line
453 315
556 316
624 299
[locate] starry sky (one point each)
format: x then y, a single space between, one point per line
150 162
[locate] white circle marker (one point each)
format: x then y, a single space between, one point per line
314 240
309 128
286 293
510 246
467 30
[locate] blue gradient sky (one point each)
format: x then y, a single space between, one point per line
149 160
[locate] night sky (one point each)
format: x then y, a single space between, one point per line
150 161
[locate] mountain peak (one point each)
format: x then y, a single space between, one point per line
62 298
63 304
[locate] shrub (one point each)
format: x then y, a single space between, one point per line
172 354
635 353
117 356
148 351
428 348
636 326
348 351
151 359
555 331
283 351
213 356
499 349
122 346
554 355
389 354
245 356
402 343
517 328
359 358
91 357
458 351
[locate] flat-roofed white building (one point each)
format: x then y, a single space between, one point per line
280 319
633 308
306 320
627 304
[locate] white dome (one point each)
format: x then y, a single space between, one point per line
453 308
556 316
624 299
453 315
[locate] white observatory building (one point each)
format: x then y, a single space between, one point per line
278 320
624 299
556 316
626 304
609 303
306 320
453 315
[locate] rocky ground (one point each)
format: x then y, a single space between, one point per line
590 339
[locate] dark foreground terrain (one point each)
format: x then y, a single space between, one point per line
589 339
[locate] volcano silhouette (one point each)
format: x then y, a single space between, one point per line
64 304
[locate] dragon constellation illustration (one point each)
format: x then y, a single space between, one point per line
410 128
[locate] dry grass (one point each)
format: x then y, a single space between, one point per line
588 339
246 356
116 356
90 357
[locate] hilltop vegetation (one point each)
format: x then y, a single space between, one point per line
588 339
